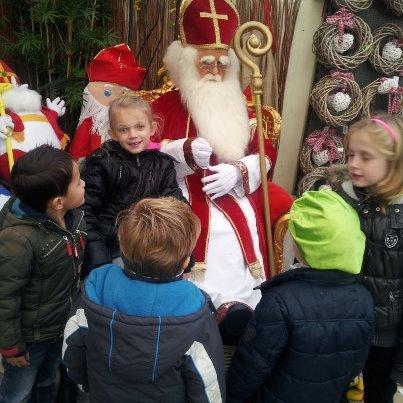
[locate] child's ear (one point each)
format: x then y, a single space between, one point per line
154 127
111 134
56 203
186 263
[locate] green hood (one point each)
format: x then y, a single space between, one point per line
327 231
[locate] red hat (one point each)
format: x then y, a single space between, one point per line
6 73
116 65
208 24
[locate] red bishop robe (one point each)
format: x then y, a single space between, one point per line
238 215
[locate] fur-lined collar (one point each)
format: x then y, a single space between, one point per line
339 180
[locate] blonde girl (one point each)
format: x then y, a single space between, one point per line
121 172
374 149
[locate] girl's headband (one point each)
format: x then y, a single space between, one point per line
391 131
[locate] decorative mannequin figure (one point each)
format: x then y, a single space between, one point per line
113 71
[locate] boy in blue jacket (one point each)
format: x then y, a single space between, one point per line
141 333
311 331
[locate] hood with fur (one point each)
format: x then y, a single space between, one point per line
339 179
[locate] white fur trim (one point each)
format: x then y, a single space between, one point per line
22 99
348 188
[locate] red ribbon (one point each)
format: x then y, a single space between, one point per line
398 42
343 18
321 140
342 74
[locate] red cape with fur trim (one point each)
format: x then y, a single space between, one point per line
174 118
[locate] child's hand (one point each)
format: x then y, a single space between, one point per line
22 361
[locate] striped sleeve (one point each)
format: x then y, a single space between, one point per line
201 378
74 350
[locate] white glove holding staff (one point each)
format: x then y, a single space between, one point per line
222 182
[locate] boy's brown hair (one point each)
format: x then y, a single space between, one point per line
157 235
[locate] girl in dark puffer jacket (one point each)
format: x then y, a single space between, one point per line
375 189
121 172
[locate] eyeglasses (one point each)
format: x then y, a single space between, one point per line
208 66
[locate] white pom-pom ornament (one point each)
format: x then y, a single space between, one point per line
338 102
320 158
391 52
346 43
388 84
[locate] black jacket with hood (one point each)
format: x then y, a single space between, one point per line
126 358
308 337
115 179
382 271
39 274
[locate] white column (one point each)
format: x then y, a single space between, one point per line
300 76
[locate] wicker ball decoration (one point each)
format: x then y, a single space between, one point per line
372 90
313 180
327 85
321 148
395 5
382 35
332 30
353 5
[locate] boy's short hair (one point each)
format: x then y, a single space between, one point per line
41 175
326 230
157 235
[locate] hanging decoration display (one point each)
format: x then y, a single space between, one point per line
387 54
321 148
345 42
396 6
336 98
315 180
384 86
334 47
353 5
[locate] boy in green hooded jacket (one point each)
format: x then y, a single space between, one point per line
310 333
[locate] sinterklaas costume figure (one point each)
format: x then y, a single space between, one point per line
208 129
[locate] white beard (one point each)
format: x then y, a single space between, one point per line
97 112
21 99
217 108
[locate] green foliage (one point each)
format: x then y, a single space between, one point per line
52 42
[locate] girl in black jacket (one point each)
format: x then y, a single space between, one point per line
121 172
375 189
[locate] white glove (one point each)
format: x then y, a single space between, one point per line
222 182
201 151
5 123
56 105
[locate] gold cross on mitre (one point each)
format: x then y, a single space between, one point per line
215 17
